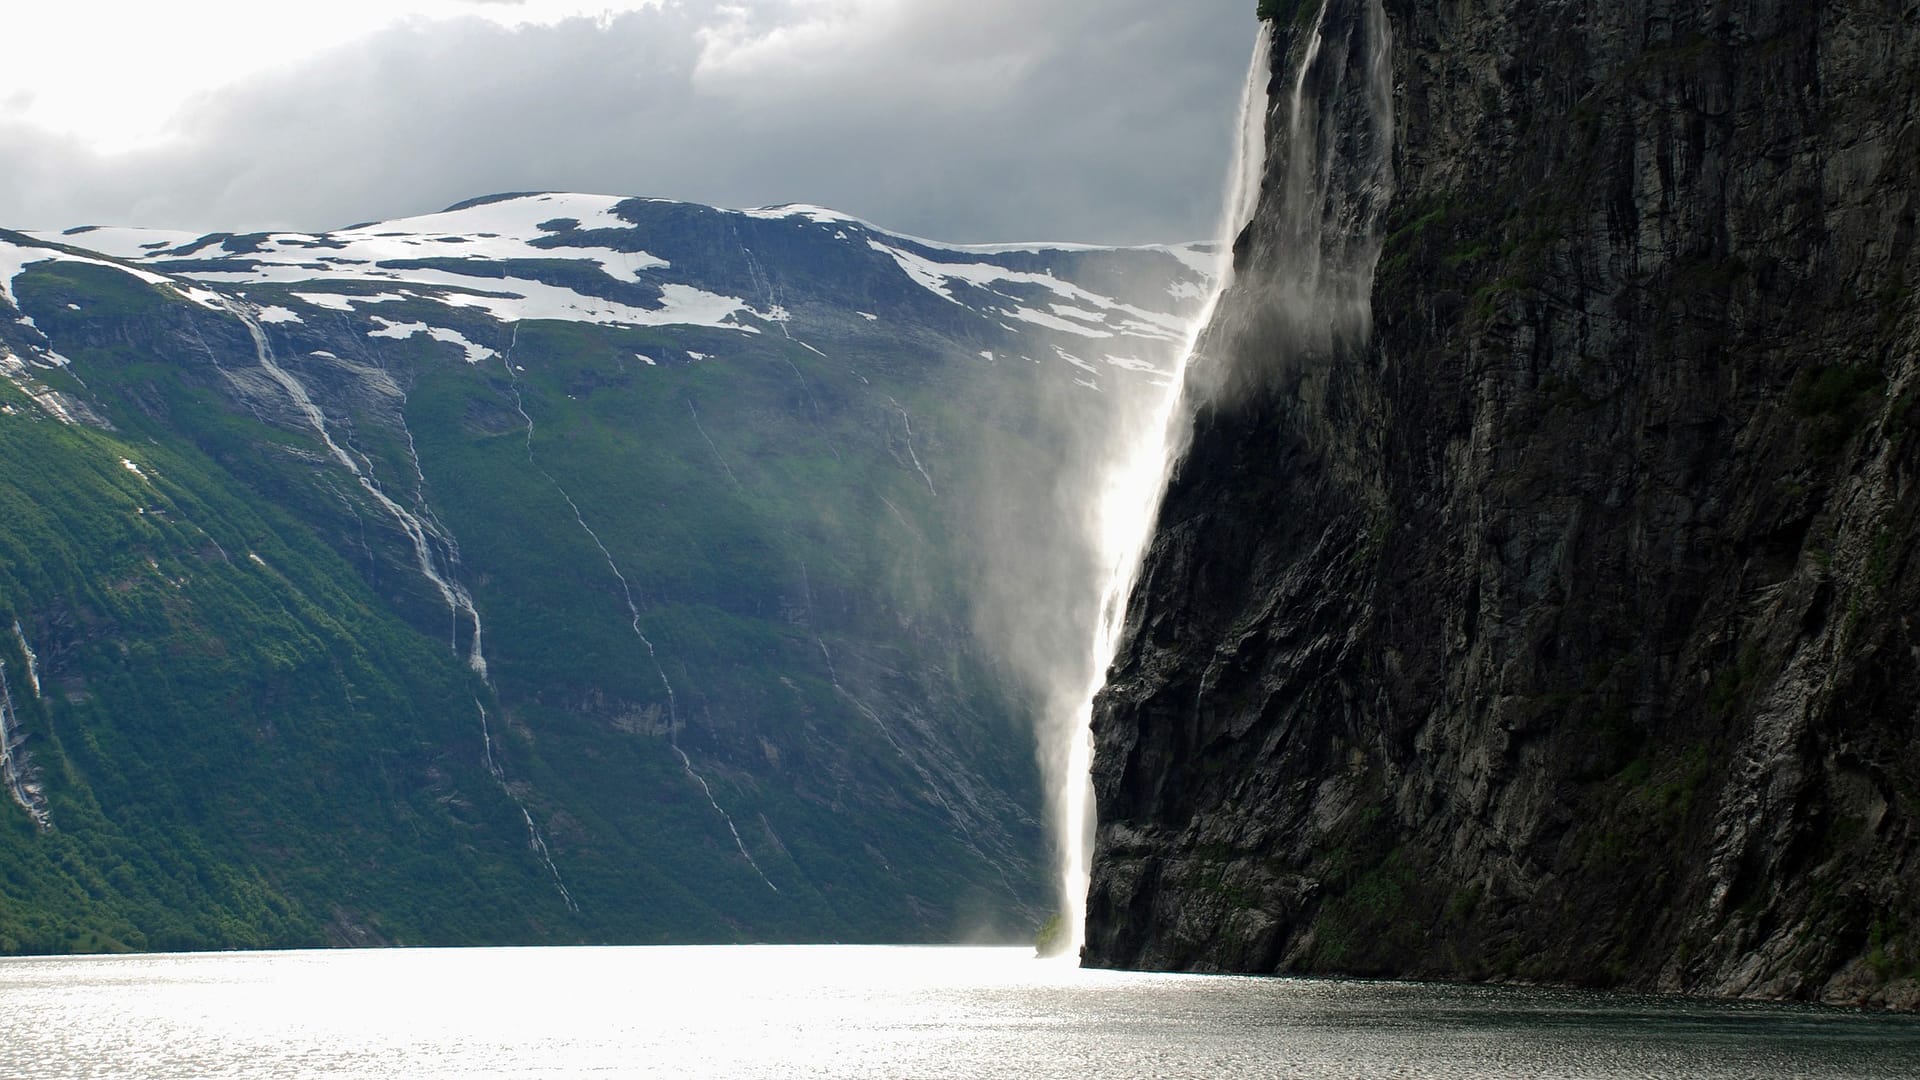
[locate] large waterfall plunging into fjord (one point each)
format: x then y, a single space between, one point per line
1127 498
1311 267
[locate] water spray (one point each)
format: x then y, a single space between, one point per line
1128 501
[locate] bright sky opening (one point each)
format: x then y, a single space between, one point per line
114 75
967 120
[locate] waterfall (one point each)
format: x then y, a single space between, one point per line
33 661
1129 497
633 613
1307 265
1309 262
423 534
15 774
430 543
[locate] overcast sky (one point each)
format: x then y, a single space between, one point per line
967 120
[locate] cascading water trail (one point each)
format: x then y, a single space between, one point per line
424 534
1314 265
33 660
1309 261
14 774
633 612
1129 495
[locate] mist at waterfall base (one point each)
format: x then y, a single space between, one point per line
1313 156
1059 540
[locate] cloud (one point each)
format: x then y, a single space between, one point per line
989 120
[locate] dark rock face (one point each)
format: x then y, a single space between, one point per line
1564 630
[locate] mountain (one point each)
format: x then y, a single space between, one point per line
1537 604
554 568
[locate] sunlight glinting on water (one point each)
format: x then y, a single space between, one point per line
848 1011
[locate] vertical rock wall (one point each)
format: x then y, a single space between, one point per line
1563 630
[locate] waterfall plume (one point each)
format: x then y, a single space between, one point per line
1298 284
1126 499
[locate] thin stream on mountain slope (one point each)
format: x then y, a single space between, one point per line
907 420
711 445
13 766
778 314
633 610
33 659
423 534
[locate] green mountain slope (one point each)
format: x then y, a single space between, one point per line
376 608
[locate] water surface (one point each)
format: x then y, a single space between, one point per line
839 1011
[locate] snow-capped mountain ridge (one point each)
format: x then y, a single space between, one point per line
603 260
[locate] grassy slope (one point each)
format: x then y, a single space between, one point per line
334 771
741 572
232 748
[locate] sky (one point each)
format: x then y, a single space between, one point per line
1101 121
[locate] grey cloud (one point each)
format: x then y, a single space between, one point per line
993 120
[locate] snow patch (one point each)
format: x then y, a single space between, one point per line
401 331
1068 311
492 232
1202 258
1131 363
345 302
1054 322
15 258
468 244
509 300
121 243
819 215
51 401
1076 361
938 277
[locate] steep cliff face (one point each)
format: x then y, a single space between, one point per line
1560 627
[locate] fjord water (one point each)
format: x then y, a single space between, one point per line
779 1011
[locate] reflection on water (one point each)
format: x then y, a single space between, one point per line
863 1012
